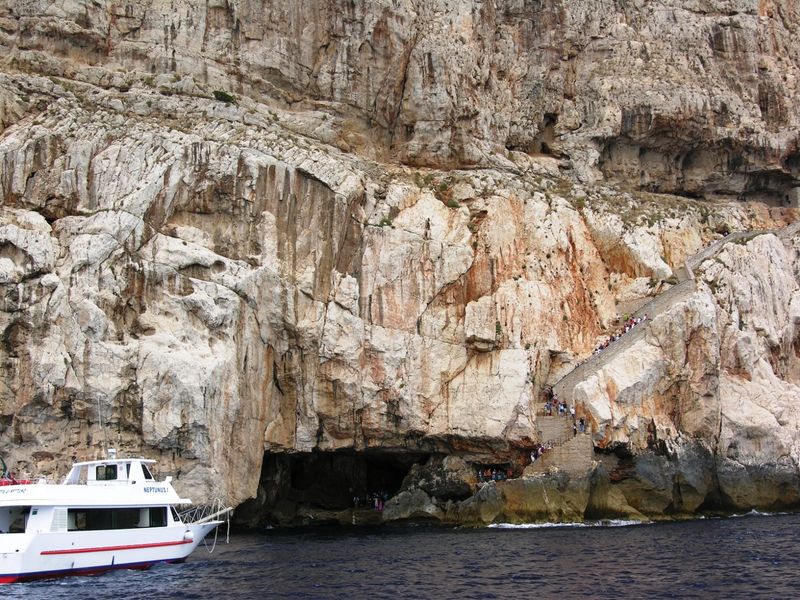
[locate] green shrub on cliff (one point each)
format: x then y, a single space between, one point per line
223 96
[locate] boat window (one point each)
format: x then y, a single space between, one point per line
127 470
16 519
124 518
146 471
175 516
76 520
95 519
106 473
158 516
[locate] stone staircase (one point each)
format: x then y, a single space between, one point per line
553 429
563 388
682 290
568 452
573 456
574 453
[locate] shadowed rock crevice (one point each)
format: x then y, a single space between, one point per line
720 171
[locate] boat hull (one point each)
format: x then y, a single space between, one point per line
24 577
25 557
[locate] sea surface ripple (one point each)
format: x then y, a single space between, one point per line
748 557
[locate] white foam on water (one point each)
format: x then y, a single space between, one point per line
533 525
757 513
603 523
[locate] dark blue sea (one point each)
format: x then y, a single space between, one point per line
749 557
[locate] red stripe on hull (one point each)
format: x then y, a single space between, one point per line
115 548
85 571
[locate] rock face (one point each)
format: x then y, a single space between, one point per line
677 96
268 289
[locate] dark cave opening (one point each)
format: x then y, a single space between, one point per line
330 480
324 481
545 140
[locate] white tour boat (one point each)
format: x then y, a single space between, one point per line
106 514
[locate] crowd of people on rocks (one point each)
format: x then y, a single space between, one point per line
629 323
494 474
376 500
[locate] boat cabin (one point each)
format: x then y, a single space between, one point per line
16 519
124 471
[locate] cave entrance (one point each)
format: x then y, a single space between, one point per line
332 480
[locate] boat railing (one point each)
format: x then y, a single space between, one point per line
202 513
12 481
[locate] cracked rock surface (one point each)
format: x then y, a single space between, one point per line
411 220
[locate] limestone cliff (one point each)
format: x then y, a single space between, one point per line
671 95
294 249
